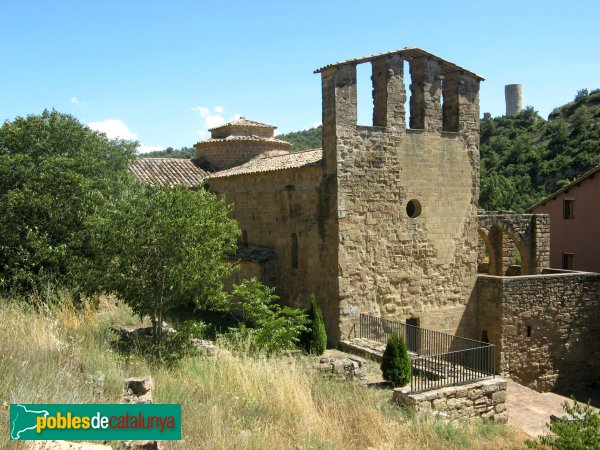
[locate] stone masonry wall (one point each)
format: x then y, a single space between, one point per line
485 399
221 155
391 264
546 327
270 207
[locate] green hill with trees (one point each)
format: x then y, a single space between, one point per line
525 158
304 140
170 152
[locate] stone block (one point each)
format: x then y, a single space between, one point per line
499 397
440 404
501 417
461 392
474 393
489 388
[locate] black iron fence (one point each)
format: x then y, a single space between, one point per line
437 359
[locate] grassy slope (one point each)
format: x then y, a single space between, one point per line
62 355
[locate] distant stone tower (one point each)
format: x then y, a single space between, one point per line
514 98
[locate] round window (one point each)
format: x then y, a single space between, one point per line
413 208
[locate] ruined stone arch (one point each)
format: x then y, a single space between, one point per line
483 234
521 248
498 242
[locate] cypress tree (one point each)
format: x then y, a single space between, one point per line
314 340
395 364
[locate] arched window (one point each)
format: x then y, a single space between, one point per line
294 251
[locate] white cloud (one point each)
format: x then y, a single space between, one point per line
75 101
202 110
149 148
211 120
114 128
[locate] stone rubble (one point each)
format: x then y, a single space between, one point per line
350 367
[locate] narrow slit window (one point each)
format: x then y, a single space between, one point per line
528 330
568 261
484 336
569 209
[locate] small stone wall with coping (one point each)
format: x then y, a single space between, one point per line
485 399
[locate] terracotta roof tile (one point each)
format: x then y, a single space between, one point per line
266 164
246 138
168 171
243 122
254 254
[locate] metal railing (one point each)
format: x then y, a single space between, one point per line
453 368
418 340
437 359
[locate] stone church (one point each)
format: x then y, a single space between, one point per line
383 220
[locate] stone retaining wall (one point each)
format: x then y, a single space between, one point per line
485 399
546 328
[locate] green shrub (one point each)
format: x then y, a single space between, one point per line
159 248
578 431
267 326
395 364
314 340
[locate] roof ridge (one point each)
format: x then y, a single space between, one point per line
245 138
242 121
161 158
280 156
573 183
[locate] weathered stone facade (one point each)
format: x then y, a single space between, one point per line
485 399
274 208
405 200
387 222
545 327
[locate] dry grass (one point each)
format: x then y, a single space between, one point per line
63 355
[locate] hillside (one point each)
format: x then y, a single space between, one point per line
304 140
524 157
62 354
170 152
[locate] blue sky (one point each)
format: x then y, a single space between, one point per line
163 72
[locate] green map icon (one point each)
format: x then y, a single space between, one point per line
23 421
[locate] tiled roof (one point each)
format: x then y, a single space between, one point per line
246 138
407 53
254 254
243 122
168 171
589 174
266 164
